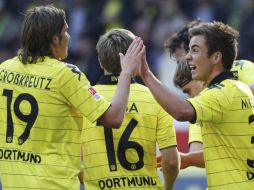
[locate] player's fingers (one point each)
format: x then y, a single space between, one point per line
121 57
142 52
132 45
159 158
137 47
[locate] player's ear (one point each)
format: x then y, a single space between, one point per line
217 57
55 40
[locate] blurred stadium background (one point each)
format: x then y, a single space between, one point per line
153 20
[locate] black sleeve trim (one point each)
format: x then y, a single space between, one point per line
168 147
195 118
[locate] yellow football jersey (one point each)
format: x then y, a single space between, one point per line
195 133
125 158
41 113
225 111
244 70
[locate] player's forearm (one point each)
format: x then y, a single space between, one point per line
168 100
120 98
114 116
170 167
196 159
170 174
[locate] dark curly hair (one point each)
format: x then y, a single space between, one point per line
182 36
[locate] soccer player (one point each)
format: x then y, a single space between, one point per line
42 104
177 45
225 109
126 158
243 69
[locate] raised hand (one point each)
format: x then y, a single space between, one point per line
143 67
132 59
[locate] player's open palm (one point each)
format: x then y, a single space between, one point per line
133 57
143 67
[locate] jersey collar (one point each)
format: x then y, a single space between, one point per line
111 79
221 77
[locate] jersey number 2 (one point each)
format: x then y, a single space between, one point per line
124 144
29 118
250 163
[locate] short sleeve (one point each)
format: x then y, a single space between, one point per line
210 105
195 133
77 90
166 136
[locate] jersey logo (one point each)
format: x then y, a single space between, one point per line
235 74
239 63
95 94
75 70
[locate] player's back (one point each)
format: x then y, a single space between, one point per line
125 158
39 138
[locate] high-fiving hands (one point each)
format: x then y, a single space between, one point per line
132 59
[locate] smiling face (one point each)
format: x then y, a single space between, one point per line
199 61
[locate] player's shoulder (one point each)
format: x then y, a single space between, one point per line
224 86
243 70
242 61
71 67
228 89
242 64
57 68
9 62
54 63
222 91
64 68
